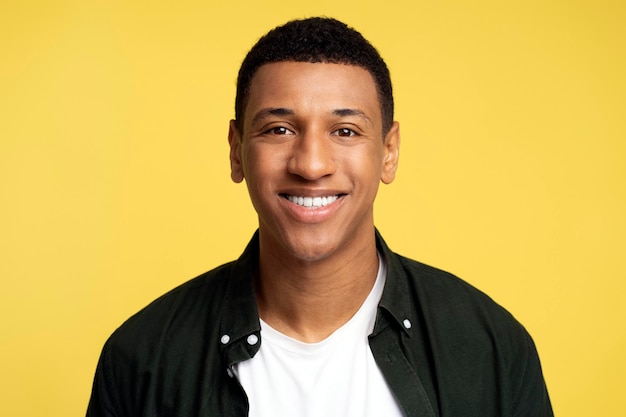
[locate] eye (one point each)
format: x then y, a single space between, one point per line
279 130
344 132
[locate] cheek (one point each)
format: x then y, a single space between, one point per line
261 166
365 165
251 161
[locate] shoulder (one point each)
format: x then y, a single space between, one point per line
445 295
468 328
478 353
439 298
186 321
180 313
469 334
457 318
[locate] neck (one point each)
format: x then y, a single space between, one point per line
309 300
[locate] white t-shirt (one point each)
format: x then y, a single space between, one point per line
335 377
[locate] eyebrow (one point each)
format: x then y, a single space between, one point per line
351 112
282 111
272 111
348 112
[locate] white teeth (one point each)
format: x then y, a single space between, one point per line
313 201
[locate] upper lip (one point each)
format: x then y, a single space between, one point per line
311 193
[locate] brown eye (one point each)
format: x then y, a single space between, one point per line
280 130
345 132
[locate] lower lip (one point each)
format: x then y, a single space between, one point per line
312 214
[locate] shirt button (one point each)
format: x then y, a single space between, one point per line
407 324
252 339
225 339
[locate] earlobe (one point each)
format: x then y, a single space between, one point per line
392 154
234 140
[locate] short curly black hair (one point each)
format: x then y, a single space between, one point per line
316 39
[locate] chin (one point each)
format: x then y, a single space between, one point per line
308 244
310 252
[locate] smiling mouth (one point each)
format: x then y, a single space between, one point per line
312 202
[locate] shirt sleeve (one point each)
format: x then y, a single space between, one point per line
102 402
531 398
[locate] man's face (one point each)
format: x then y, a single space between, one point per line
312 154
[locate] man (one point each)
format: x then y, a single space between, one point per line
318 317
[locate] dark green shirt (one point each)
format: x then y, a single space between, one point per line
444 348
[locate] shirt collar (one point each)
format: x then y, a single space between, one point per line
240 316
396 300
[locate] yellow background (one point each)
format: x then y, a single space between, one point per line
115 187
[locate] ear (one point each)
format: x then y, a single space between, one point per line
234 140
392 153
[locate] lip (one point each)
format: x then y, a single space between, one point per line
311 214
311 192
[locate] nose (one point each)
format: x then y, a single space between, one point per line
312 156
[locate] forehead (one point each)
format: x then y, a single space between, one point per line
308 86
